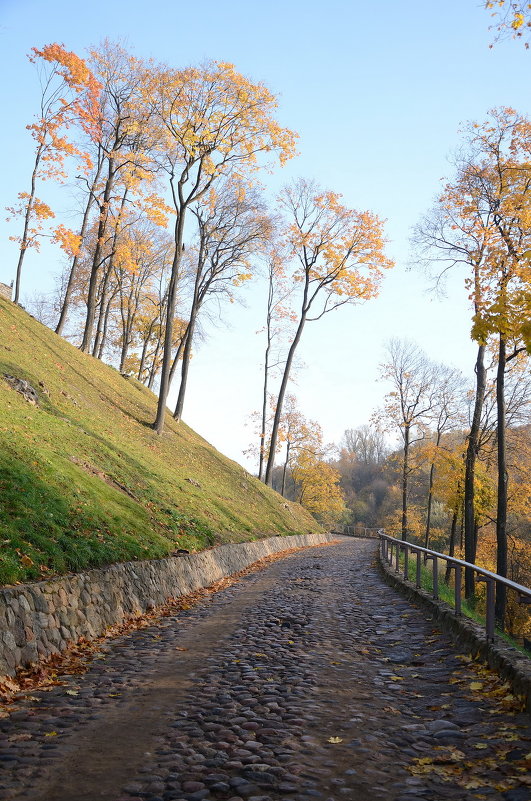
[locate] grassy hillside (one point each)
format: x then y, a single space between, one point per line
85 481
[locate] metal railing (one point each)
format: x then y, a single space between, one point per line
360 531
390 545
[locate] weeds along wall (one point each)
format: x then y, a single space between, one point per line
37 620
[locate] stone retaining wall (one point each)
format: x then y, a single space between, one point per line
509 662
40 619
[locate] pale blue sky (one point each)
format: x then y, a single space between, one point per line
377 93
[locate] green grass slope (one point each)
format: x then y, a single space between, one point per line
85 481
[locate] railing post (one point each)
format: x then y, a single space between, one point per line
397 565
435 578
435 574
490 585
457 589
406 563
419 560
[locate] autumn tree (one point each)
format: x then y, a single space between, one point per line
210 121
456 234
512 18
482 221
129 173
410 404
69 97
316 481
338 258
319 488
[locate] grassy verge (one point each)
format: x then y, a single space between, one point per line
473 608
85 481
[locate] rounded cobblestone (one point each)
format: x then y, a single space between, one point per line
309 680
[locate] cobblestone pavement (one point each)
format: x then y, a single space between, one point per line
311 679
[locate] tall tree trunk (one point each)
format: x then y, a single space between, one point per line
470 466
178 353
262 453
144 351
158 424
285 469
97 259
503 482
187 353
405 474
73 269
154 369
282 393
104 306
27 218
430 495
451 547
103 336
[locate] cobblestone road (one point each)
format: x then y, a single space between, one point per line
308 680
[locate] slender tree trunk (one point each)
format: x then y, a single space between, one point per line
503 482
470 466
430 495
27 218
158 424
197 300
104 306
283 493
73 269
451 548
144 351
154 369
187 353
405 474
97 258
103 336
262 453
281 394
177 356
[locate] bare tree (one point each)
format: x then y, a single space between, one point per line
410 405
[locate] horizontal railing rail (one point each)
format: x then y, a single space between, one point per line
390 545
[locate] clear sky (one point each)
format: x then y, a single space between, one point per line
377 93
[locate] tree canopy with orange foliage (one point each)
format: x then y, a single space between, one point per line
69 96
338 257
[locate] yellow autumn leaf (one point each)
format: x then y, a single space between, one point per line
335 740
481 745
51 734
396 678
476 685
